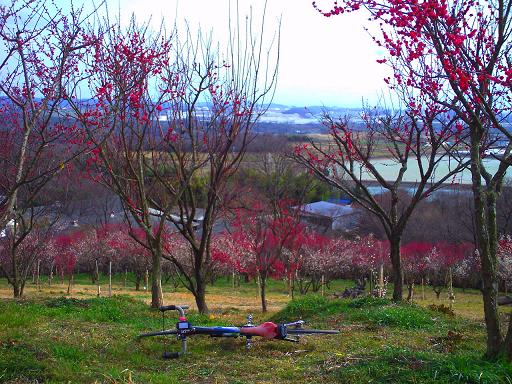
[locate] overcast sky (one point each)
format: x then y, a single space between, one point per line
324 61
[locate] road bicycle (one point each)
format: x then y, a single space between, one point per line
268 330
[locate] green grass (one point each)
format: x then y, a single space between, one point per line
55 339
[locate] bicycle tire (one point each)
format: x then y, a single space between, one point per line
300 331
159 333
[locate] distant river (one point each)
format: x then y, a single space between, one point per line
389 170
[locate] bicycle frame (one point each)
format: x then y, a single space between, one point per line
269 330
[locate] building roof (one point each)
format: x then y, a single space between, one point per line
326 209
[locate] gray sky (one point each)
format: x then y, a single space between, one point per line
324 61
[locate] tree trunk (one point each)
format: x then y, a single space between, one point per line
138 280
451 295
17 290
157 298
490 296
200 296
410 295
70 283
396 263
486 234
315 284
508 340
263 285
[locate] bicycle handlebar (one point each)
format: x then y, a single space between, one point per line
179 308
164 308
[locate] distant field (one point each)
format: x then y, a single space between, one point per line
51 338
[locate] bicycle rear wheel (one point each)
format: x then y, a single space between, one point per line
300 331
159 333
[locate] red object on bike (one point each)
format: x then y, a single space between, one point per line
267 330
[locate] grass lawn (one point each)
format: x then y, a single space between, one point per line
53 338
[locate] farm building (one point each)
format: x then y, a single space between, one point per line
331 216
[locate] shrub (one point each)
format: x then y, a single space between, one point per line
308 307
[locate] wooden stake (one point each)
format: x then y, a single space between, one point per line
323 284
98 288
110 279
381 281
38 281
371 282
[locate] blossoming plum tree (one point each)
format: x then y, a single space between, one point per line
263 236
42 47
20 246
166 114
210 145
119 121
405 139
456 55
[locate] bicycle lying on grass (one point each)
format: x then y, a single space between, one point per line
268 330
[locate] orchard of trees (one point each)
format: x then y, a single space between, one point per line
160 124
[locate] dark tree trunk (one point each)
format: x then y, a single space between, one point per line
263 286
410 295
488 261
138 280
438 291
17 290
70 283
200 296
315 284
157 299
396 263
485 225
508 340
200 277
